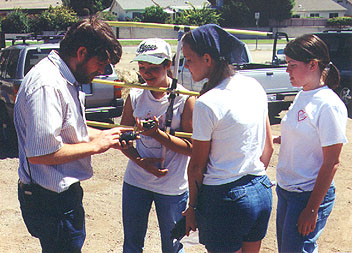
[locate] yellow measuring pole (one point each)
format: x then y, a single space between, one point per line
146 87
107 125
173 26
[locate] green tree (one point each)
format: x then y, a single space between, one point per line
198 17
340 22
235 13
107 15
54 19
87 7
16 22
270 9
155 14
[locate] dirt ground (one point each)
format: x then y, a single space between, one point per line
102 201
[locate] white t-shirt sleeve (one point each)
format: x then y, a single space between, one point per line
332 126
204 122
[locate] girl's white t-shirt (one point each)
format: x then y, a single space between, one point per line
146 106
316 119
232 116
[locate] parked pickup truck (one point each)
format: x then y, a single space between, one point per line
272 77
340 48
103 102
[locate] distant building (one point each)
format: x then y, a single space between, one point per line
318 9
347 4
30 6
129 9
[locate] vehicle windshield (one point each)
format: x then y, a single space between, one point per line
34 56
340 49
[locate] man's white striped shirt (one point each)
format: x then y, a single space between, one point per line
48 114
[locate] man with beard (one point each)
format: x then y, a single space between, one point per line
55 144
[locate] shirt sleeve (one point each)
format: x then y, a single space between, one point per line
44 122
332 126
204 121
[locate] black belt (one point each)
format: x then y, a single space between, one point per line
25 187
35 196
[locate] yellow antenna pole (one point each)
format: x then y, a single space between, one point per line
108 125
176 27
146 87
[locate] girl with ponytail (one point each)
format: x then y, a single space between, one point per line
230 194
312 136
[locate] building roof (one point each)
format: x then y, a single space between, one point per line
28 4
142 4
317 5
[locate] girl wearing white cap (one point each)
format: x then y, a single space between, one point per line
145 182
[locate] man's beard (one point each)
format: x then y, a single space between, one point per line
81 74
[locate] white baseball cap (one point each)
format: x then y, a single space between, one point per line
154 51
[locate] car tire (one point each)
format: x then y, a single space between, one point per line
8 135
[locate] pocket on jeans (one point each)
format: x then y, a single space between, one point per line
267 183
75 217
327 204
235 194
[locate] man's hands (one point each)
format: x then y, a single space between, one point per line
107 139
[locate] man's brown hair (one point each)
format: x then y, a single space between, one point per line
96 36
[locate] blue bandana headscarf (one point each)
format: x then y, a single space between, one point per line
221 43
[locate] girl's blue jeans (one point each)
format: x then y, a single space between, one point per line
136 204
289 207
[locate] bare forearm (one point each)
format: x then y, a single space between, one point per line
326 174
268 147
322 185
93 132
132 154
67 153
195 180
173 143
70 152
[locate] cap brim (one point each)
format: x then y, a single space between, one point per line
149 58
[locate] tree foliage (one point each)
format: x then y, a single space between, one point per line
54 19
270 9
88 7
235 13
241 12
155 14
16 22
107 15
340 22
198 17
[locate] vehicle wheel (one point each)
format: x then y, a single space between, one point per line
346 97
274 110
8 136
3 122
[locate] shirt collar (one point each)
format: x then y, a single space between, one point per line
65 71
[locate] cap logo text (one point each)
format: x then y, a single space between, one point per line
144 48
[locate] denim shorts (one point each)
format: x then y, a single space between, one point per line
237 212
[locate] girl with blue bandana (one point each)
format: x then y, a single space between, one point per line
230 194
